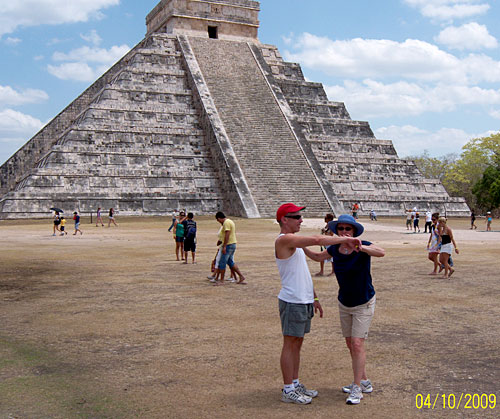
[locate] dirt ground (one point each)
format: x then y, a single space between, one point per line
109 325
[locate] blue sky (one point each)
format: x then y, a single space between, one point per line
424 73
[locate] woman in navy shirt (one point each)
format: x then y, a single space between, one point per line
356 297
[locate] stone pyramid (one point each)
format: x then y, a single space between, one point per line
201 115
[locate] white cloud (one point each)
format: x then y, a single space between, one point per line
472 36
55 41
288 39
16 122
411 59
447 10
12 41
92 37
73 71
9 96
14 14
373 99
15 128
86 64
410 140
481 68
495 113
361 58
95 55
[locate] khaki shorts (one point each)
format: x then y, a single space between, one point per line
355 321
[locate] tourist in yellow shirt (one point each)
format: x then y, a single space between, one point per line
61 226
227 240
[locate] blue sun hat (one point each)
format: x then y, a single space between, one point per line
346 219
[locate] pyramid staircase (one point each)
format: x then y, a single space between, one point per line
271 159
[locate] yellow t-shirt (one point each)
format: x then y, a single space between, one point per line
228 226
63 222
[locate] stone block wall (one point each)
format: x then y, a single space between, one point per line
234 19
138 145
26 157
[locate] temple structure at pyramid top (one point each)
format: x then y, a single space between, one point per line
219 19
201 115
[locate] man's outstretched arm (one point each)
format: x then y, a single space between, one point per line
294 241
316 256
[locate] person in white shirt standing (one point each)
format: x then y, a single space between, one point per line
428 221
297 299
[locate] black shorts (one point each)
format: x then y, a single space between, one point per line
189 245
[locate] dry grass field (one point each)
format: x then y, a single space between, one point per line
109 325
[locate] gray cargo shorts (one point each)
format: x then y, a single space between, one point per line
295 318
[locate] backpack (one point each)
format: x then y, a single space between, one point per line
191 230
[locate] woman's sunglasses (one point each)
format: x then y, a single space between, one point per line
344 228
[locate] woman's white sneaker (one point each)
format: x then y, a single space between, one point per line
366 387
355 396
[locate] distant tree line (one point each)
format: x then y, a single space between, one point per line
474 174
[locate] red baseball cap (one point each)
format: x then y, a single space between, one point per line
286 209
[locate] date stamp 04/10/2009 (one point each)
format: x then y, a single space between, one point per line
456 401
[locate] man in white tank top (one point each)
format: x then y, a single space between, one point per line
297 300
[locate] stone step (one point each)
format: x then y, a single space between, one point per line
348 139
118 93
257 129
323 110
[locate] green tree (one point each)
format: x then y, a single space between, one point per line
433 167
462 175
487 189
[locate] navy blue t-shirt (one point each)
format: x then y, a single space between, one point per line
188 224
353 275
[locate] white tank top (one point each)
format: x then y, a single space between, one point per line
296 282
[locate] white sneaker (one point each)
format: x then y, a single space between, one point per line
355 396
211 277
230 279
301 389
213 280
295 397
366 387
